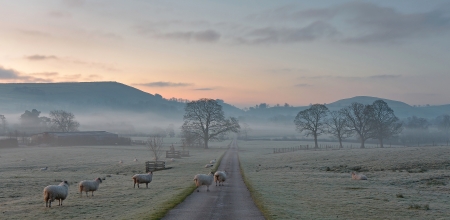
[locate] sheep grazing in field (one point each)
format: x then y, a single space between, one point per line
44 168
220 176
212 161
135 159
142 178
58 192
89 186
120 162
209 165
358 176
204 179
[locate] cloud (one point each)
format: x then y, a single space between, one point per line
68 60
164 84
46 74
40 57
59 14
356 22
11 75
384 76
311 32
197 36
33 33
302 85
74 3
204 89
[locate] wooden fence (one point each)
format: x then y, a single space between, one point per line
325 147
185 153
173 154
154 165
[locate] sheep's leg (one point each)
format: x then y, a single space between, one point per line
197 189
207 188
134 186
92 193
146 185
87 195
50 203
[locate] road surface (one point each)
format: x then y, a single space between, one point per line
231 201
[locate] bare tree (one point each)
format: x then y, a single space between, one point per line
359 117
338 126
63 121
312 120
384 122
4 123
443 123
245 129
155 145
205 120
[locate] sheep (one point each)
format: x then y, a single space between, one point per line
142 178
204 179
220 176
59 192
89 185
209 165
358 176
212 161
44 168
135 159
120 162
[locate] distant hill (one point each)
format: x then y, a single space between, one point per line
89 97
98 97
81 97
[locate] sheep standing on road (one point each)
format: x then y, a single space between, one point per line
58 192
204 179
220 176
358 176
89 185
142 178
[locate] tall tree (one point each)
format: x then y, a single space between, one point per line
384 122
63 121
204 119
338 126
312 120
359 120
415 122
155 145
4 123
443 123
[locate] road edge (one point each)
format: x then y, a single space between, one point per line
256 196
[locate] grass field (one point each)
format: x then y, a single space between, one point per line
404 183
22 182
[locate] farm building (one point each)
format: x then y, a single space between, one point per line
79 138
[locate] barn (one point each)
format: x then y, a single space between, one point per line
79 138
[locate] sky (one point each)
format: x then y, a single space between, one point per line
243 52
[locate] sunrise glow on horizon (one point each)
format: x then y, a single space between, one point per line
245 53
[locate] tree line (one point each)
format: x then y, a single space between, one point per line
33 122
374 121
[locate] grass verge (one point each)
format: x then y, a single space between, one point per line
179 198
256 196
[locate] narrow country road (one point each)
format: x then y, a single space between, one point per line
231 201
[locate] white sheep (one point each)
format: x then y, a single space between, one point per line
220 176
58 192
44 168
89 186
135 159
142 178
120 162
209 165
212 161
358 176
204 179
